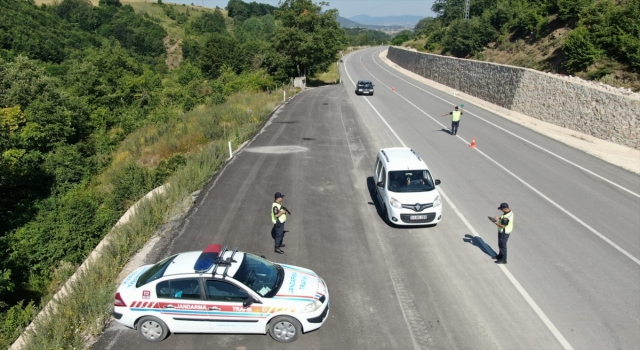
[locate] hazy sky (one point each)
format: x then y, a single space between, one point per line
347 8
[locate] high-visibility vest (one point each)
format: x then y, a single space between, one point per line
282 217
455 116
509 227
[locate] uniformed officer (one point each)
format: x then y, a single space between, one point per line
455 119
278 217
505 226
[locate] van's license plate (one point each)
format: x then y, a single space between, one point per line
417 217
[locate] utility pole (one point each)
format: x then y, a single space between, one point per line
466 9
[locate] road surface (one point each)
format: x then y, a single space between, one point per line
573 275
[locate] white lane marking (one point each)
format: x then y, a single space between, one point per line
571 215
511 133
565 344
514 281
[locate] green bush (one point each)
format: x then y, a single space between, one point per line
401 37
465 38
580 50
14 321
570 9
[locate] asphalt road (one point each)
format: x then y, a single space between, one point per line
573 277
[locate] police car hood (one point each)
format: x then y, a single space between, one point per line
129 282
415 197
300 284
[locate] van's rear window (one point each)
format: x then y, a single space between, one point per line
154 272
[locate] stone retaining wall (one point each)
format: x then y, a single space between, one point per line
599 113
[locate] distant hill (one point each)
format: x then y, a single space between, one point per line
347 23
403 21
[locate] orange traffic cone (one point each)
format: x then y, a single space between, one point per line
473 143
393 88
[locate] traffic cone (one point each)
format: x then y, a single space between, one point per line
393 89
473 143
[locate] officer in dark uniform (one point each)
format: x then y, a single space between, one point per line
455 119
278 217
505 227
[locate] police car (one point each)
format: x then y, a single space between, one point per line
221 291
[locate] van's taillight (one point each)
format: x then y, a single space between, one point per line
118 301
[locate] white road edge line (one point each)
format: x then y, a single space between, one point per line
512 134
571 215
565 344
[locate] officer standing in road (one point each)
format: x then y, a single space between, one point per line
278 217
505 226
455 119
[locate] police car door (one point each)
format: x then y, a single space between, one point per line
182 306
227 313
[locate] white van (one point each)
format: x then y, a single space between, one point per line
405 189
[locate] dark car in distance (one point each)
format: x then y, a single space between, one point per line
364 87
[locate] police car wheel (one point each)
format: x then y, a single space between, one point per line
152 329
284 329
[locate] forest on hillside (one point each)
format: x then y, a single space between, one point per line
602 36
76 80
365 37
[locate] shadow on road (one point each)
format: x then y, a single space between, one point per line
480 243
371 185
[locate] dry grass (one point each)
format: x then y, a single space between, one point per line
331 76
174 52
417 44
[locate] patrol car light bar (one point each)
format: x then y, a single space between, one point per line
208 257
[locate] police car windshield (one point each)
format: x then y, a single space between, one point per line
154 272
410 181
262 276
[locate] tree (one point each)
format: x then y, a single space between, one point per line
210 23
237 10
570 9
579 49
426 26
219 50
448 10
115 3
401 37
309 39
465 38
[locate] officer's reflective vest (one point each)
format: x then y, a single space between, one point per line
282 217
509 227
455 116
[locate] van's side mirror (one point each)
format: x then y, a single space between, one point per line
248 302
437 182
380 184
